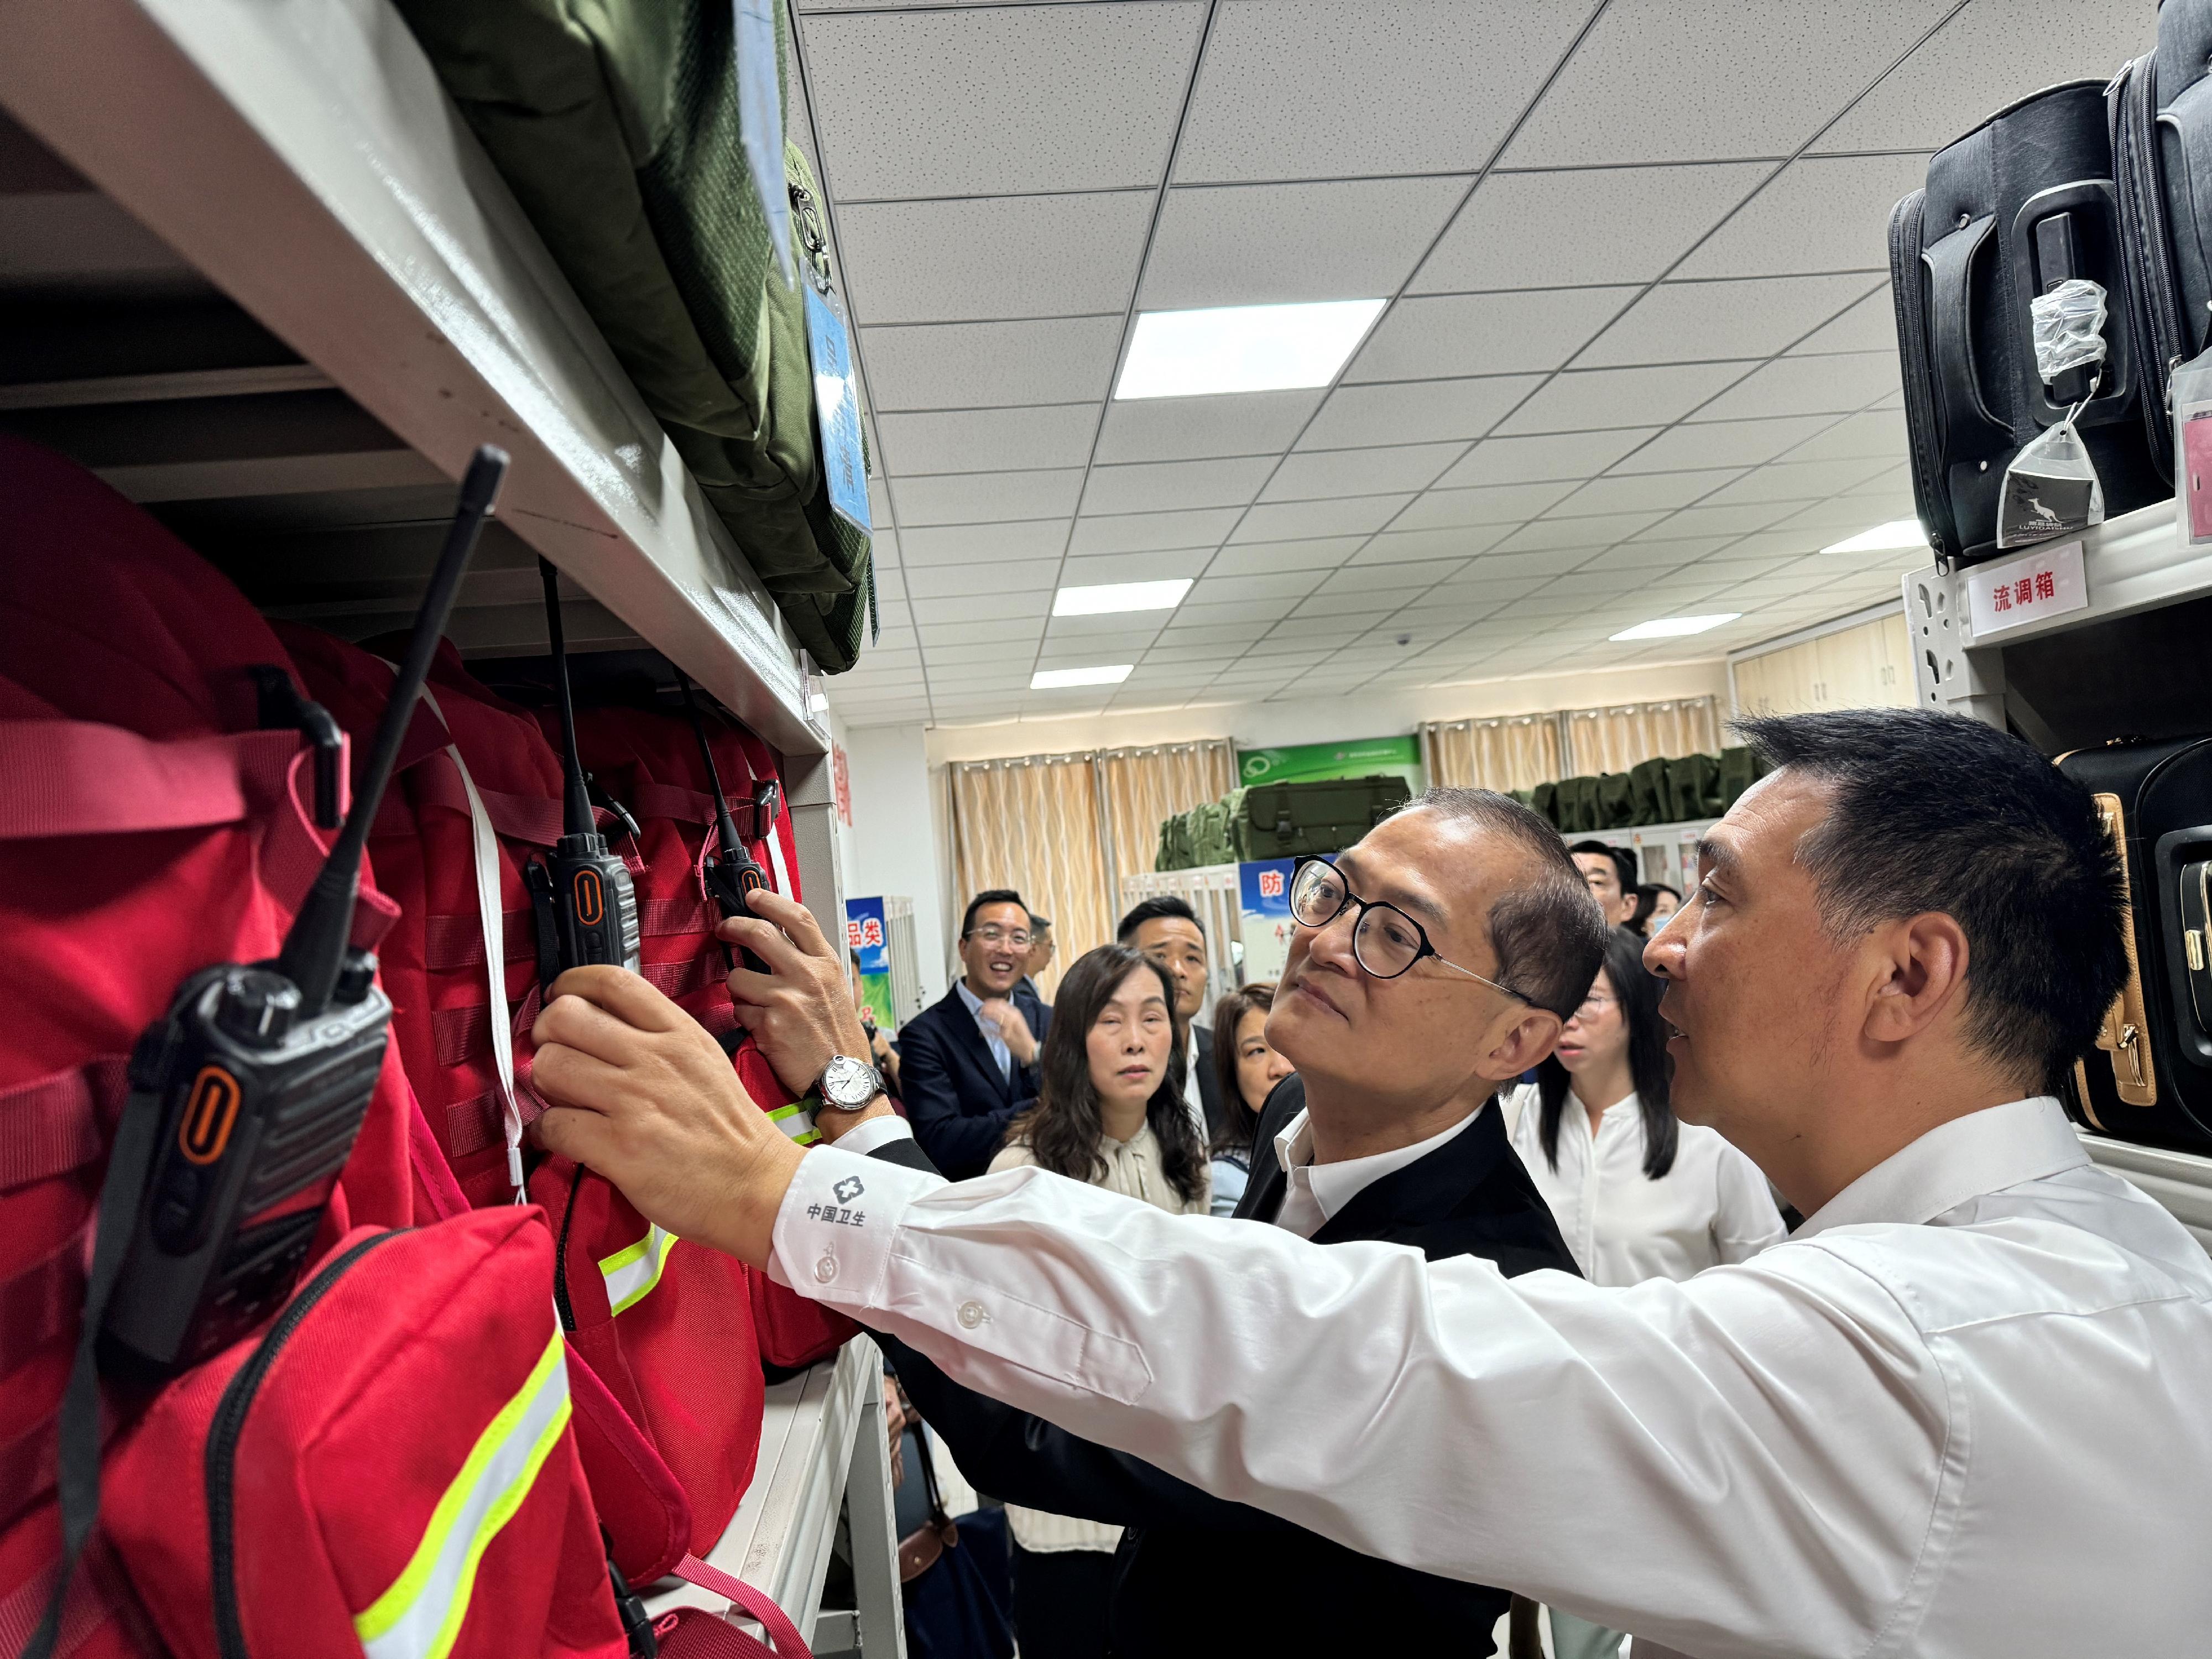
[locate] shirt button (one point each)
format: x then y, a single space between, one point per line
825 1269
971 1314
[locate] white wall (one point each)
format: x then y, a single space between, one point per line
895 843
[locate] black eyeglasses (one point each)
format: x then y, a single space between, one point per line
1386 942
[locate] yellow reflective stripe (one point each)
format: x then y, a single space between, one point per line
420 1616
793 1120
632 1272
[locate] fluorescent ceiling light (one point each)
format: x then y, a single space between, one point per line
1898 532
1107 597
1667 628
1190 354
1052 679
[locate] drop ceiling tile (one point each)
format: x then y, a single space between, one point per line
1635 561
1101 638
976 651
1169 486
1869 326
1241 611
1219 634
1712 522
1993 52
1587 399
1780 542
982 364
1347 515
1839 384
1415 411
1658 490
1823 213
993 256
1184 428
1720 444
1442 335
1442 508
1454 541
1878 434
1207 656
1322 553
954 581
1599 225
1560 455
978 628
1312 474
1335 88
1799 481
1416 573
998 102
1687 322
982 542
1145 532
1835 520
960 440
1485 575
1712 80
1154 566
1240 245
1282 584
1602 531
948 498
1001 606
1329 626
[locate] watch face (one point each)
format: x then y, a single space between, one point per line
848 1083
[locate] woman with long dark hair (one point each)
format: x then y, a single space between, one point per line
1248 1069
1109 1113
1637 1195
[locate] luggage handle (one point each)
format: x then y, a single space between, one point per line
1964 414
2042 253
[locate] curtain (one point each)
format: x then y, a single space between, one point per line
1599 740
1063 830
1515 753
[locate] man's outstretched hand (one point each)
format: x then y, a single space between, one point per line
644 1097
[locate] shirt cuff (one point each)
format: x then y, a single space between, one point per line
875 1133
833 1234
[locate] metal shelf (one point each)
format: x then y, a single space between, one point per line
2182 1181
302 156
822 1448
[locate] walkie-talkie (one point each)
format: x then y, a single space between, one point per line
260 1074
733 877
585 889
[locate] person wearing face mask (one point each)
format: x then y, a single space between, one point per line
1246 1071
1109 1113
1637 1195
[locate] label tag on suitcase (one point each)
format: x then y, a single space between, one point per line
837 407
2051 489
2192 449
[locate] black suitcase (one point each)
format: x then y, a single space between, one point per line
2023 202
2160 112
2150 1076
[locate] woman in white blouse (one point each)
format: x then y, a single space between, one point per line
1110 1112
1636 1195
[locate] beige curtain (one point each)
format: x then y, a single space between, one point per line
1515 753
1064 830
1614 739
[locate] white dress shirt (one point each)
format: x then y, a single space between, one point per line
1711 1205
1313 1192
993 1039
1960 1415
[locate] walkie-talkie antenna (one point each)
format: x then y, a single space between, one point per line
725 827
314 949
577 818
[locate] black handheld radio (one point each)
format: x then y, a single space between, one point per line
733 878
260 1073
585 889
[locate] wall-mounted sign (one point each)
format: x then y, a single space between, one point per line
1318 762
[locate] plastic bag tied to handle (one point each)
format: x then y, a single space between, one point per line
2069 327
2051 487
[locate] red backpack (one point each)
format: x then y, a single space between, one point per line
161 817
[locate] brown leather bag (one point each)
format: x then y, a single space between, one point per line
920 1549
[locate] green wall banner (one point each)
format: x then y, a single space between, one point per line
1318 762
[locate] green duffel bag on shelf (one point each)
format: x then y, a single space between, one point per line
1526 797
1578 805
1164 857
1282 820
1691 788
1544 800
1616 801
1738 769
1647 791
619 128
1209 835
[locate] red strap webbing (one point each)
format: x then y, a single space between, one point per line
38 1303
773 1618
81 778
56 1123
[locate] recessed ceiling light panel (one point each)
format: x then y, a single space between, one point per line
1897 533
1107 597
1222 349
1054 679
1669 627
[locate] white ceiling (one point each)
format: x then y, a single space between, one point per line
1639 359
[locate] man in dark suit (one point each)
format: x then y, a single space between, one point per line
1168 930
968 1063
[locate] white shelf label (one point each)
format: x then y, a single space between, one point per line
2032 588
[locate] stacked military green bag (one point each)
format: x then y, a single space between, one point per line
1679 791
616 124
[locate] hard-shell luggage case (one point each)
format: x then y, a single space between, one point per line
1281 820
2150 1076
2023 202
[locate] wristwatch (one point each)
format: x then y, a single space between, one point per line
847 1084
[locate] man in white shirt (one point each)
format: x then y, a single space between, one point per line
1960 1413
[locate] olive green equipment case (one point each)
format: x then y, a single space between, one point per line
616 123
1281 820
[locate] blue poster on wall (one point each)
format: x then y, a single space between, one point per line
865 932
